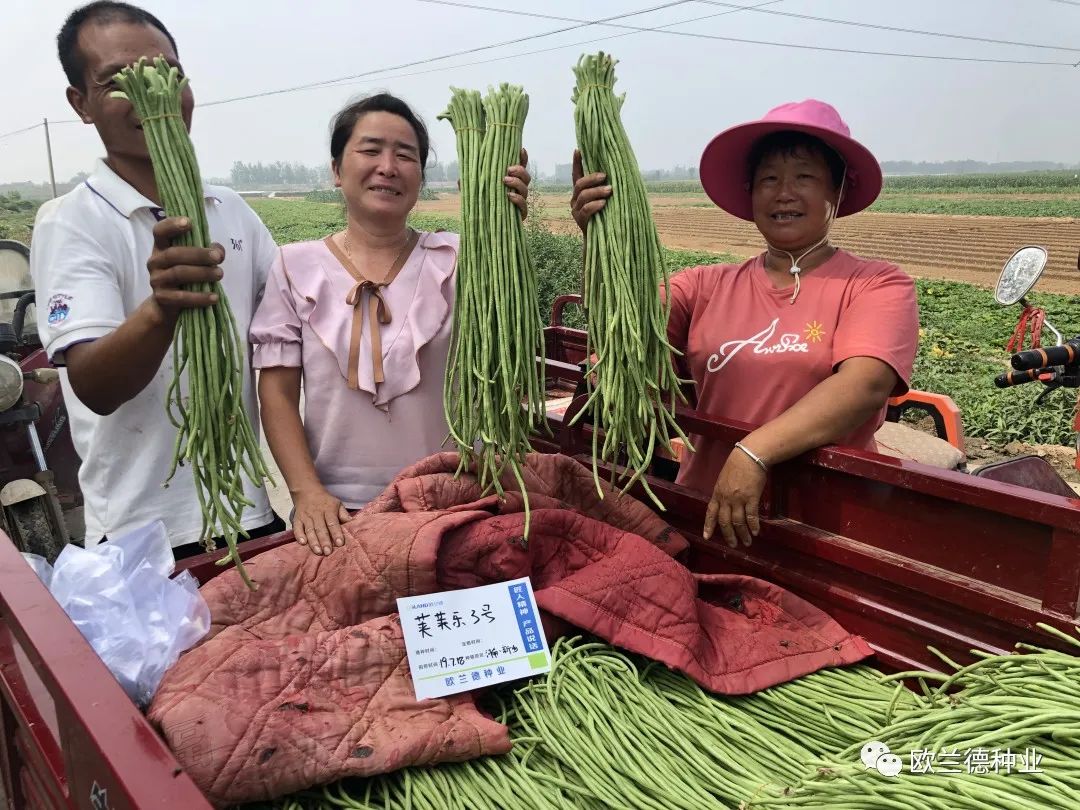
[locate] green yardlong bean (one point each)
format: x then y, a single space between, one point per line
610 730
493 393
205 397
1024 705
632 383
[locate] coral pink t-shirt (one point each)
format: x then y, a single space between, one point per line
753 354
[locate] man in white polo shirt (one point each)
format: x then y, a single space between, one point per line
110 287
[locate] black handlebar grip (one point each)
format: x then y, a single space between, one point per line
1011 378
1064 355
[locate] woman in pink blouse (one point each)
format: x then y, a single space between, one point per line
361 320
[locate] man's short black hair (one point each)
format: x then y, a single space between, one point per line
100 12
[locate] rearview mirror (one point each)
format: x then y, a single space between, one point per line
15 280
1019 274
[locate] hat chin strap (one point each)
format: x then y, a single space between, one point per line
830 218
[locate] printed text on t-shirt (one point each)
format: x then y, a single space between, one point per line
762 343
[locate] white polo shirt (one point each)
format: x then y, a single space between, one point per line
88 259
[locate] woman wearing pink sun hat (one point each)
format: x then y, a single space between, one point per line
805 340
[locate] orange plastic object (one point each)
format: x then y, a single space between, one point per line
678 446
941 409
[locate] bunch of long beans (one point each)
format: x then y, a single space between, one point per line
632 382
214 434
493 393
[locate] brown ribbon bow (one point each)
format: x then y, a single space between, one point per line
378 311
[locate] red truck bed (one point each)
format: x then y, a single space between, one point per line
905 555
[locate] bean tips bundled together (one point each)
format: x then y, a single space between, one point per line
633 385
493 393
214 433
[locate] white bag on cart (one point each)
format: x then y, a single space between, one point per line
121 598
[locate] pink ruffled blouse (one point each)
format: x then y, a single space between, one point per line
361 438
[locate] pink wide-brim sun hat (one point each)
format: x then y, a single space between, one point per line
723 169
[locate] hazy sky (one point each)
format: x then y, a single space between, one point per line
681 90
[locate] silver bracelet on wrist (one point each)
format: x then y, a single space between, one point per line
754 457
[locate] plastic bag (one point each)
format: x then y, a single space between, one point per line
120 597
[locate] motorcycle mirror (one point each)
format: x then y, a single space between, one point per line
14 263
1019 274
15 280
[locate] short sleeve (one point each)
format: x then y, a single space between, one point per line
684 288
276 329
76 286
882 321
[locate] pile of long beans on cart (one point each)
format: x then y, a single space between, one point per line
605 729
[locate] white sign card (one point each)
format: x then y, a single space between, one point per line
472 638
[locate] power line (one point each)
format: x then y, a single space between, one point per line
896 29
517 41
789 45
35 126
20 131
1066 2
628 31
519 54
347 80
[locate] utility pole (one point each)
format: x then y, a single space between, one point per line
48 149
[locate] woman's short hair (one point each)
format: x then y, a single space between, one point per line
789 143
341 128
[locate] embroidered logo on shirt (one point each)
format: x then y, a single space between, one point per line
764 342
99 797
59 308
814 332
237 244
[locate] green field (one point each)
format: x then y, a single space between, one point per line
1032 194
1047 205
961 350
16 217
1000 206
1063 182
